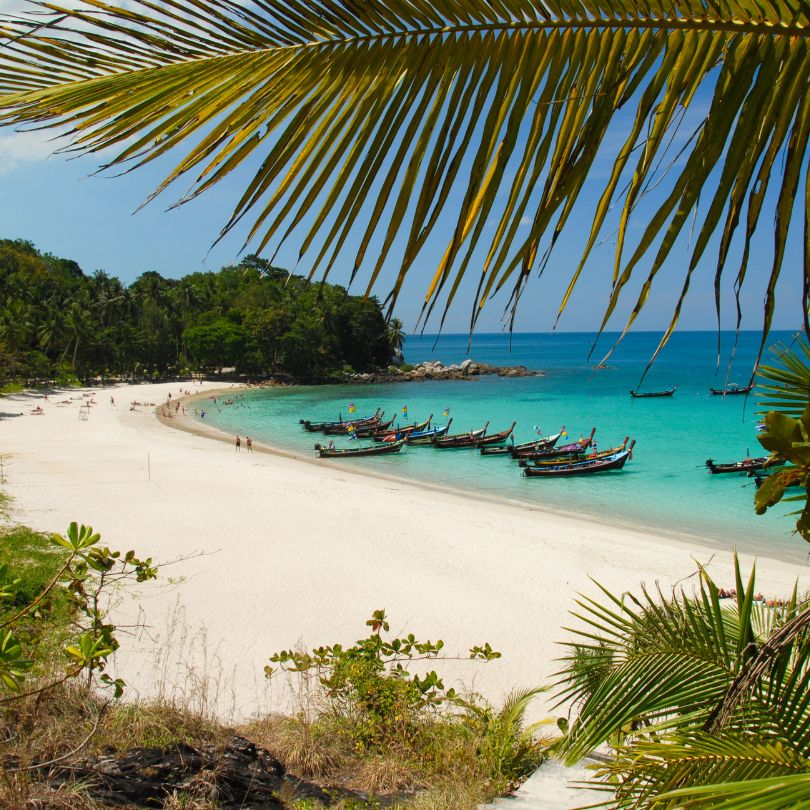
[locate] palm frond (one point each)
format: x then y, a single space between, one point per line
393 124
774 793
647 772
785 385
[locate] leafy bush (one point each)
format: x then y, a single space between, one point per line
395 730
77 579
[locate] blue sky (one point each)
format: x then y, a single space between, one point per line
58 205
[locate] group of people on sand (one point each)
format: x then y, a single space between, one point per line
248 443
731 593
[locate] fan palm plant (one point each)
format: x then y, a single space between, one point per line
394 123
704 700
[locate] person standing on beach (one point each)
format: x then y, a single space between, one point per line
249 443
238 443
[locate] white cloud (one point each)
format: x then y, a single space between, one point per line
526 220
19 147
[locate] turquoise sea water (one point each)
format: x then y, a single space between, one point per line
665 486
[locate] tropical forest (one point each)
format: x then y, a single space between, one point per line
57 323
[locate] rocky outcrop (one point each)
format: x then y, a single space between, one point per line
239 775
466 370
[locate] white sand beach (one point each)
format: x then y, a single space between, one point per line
280 553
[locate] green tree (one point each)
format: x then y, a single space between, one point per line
414 120
215 345
396 334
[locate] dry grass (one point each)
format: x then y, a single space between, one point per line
158 725
18 792
380 775
307 749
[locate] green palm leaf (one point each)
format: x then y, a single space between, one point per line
376 128
774 793
785 384
690 691
650 772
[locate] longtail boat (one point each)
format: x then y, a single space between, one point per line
352 427
653 394
460 439
744 466
494 450
365 450
530 462
424 438
495 438
366 431
585 467
544 443
731 390
397 433
577 447
319 427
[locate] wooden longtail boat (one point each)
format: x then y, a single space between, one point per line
534 446
731 390
319 427
577 447
530 462
585 467
653 394
425 438
366 431
744 466
342 430
495 438
365 450
494 450
397 433
460 439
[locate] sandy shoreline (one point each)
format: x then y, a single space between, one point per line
302 553
796 555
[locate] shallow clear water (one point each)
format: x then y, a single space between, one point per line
665 486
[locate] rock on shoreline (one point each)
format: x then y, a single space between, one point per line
466 370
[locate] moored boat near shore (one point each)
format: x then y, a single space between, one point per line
616 461
460 439
543 443
540 462
368 430
396 433
577 447
320 427
365 450
424 438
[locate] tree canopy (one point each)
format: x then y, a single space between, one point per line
56 322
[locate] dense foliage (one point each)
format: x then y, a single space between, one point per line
701 698
57 323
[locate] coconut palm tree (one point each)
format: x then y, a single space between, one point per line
415 122
396 335
704 701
